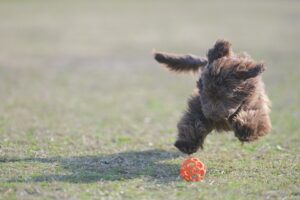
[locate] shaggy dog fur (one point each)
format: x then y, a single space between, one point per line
230 95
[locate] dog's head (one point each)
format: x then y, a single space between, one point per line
226 81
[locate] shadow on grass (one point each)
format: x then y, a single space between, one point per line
149 165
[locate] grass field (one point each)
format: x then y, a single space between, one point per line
86 113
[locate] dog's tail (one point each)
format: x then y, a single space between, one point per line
180 63
221 48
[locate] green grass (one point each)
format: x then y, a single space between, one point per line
86 113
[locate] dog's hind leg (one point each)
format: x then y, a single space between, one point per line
251 124
192 128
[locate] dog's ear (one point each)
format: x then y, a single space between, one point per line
249 70
180 63
221 48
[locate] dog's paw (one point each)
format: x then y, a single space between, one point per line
245 134
187 147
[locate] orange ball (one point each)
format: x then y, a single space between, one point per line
193 169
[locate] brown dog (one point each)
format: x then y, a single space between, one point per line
230 96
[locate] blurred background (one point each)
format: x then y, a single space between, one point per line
78 78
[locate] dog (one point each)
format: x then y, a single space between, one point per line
229 96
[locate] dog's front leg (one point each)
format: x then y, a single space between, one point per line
249 125
192 128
